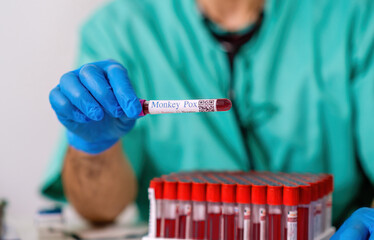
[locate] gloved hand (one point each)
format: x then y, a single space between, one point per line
97 104
359 226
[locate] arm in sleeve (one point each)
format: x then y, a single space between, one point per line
363 85
98 41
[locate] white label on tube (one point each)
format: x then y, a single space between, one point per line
292 225
317 218
262 223
182 106
152 213
328 211
247 223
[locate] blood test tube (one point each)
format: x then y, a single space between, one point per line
157 185
317 209
323 182
275 202
258 221
328 204
305 192
184 210
228 198
198 198
213 198
304 208
243 198
184 106
169 209
290 202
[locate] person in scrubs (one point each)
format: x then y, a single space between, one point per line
300 75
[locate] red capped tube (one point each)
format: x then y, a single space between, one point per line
184 210
275 202
258 222
198 209
228 198
157 185
169 209
213 198
243 198
290 202
184 106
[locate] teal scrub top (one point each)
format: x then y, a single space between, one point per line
303 85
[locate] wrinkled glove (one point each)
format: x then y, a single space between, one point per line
97 105
359 226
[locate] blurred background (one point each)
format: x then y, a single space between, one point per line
38 44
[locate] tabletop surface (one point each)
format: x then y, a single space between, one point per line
74 227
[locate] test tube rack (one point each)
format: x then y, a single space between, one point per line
241 206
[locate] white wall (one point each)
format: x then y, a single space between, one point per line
38 41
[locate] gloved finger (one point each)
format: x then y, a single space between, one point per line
358 226
79 96
128 123
64 109
123 91
93 78
371 236
356 231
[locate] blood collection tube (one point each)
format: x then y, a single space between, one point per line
243 198
328 205
275 202
198 198
213 198
184 210
169 209
323 182
304 208
228 198
184 106
317 220
258 222
157 185
305 192
290 202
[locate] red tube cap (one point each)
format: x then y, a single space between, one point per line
170 190
184 191
228 193
157 185
305 194
331 183
213 192
274 195
259 194
290 195
198 192
243 194
314 191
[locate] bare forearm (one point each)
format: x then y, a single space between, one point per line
99 186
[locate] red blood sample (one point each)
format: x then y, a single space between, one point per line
239 234
274 226
302 223
182 220
229 223
198 229
169 228
256 231
214 221
223 104
158 233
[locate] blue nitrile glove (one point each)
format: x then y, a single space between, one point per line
97 104
359 226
